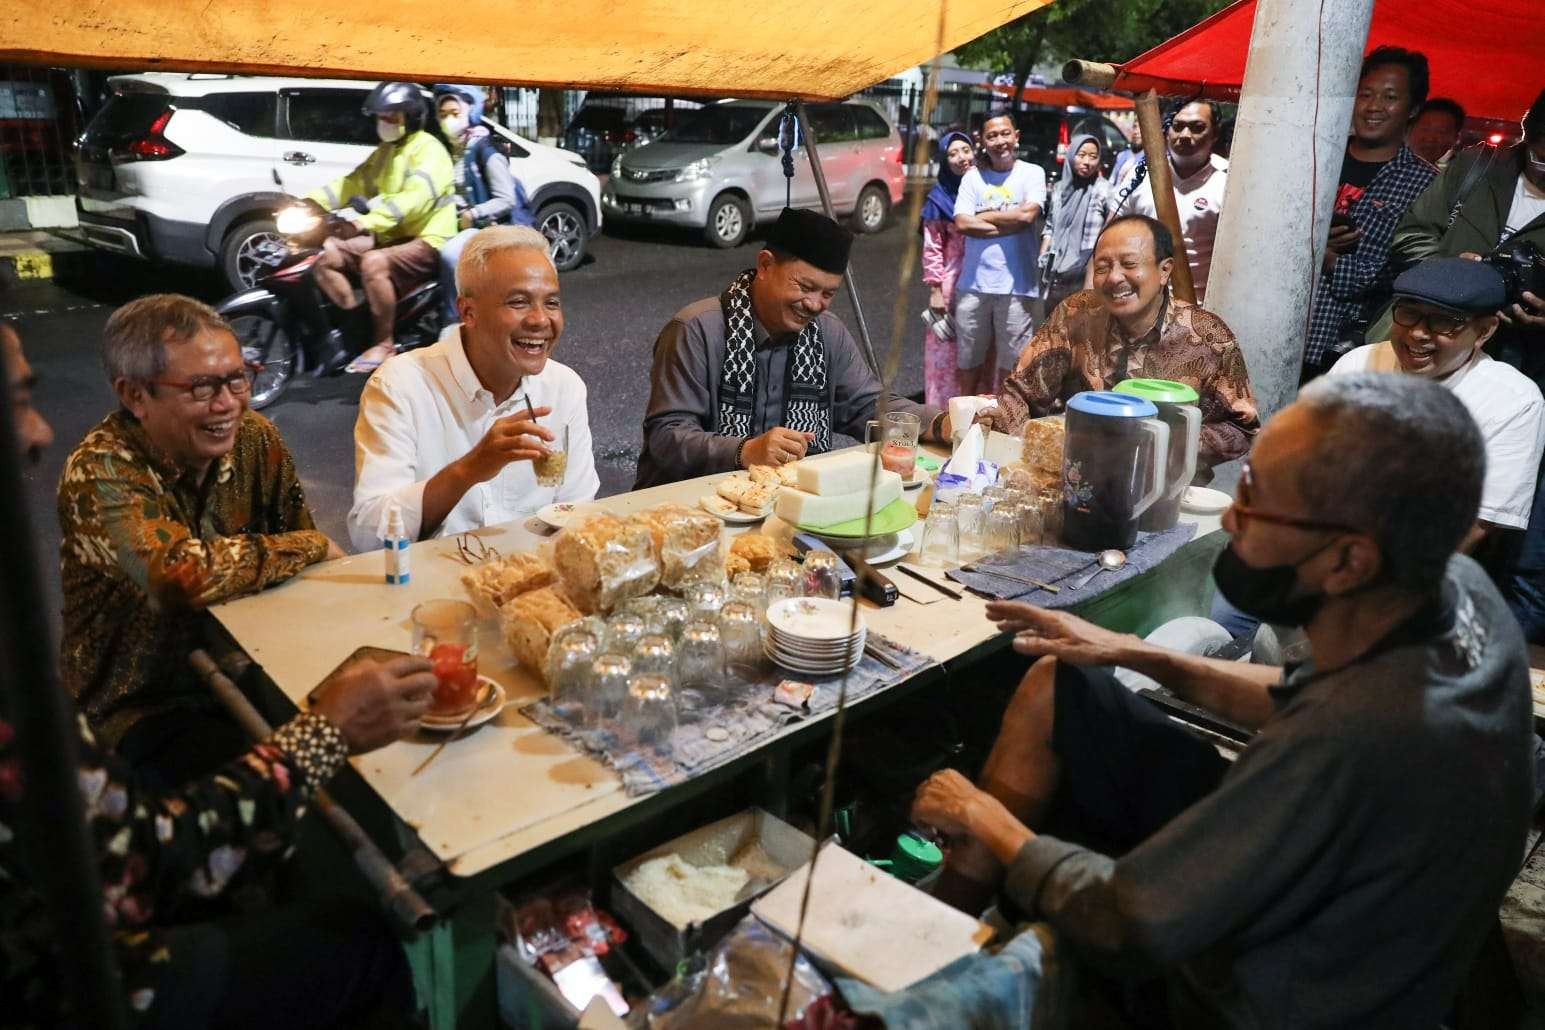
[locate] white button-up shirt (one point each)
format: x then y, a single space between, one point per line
423 410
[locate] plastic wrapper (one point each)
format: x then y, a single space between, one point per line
686 543
602 561
494 584
1043 447
530 622
739 987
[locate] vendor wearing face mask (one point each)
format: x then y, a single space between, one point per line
1345 868
407 184
1129 327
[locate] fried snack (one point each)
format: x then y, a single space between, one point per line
1043 445
686 543
602 560
735 564
733 488
530 621
764 475
757 500
757 550
718 505
788 475
496 583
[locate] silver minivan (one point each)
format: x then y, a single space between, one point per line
719 170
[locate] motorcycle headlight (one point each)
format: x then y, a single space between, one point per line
295 220
617 166
699 169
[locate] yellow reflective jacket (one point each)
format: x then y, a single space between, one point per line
409 186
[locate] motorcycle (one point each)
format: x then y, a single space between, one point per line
285 325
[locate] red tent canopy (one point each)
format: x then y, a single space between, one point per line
1068 96
1489 56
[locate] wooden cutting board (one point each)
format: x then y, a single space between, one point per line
870 925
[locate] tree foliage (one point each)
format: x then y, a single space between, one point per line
1096 30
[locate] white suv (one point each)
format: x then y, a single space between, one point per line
190 168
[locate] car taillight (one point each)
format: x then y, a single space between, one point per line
1063 138
629 136
153 146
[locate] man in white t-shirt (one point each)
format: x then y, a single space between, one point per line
997 208
1445 310
1199 180
449 434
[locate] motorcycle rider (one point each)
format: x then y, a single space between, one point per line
487 193
407 184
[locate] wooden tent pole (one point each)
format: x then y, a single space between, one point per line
1156 148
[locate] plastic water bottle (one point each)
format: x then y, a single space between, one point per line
398 568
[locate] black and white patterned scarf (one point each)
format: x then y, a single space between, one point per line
805 408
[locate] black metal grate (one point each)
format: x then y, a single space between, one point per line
40 119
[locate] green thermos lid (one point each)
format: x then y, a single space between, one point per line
1159 391
915 857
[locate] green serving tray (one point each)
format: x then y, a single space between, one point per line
893 518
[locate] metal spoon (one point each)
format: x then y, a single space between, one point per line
1109 560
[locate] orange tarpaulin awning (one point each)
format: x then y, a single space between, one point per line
1067 96
818 51
1488 56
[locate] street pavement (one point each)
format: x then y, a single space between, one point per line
614 306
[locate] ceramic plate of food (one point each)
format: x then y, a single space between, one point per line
494 700
559 515
726 510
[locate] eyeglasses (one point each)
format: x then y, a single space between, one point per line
1410 316
204 388
1243 511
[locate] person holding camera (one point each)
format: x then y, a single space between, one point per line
1489 205
1380 179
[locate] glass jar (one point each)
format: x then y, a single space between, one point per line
570 685
823 576
704 601
941 536
1002 529
649 712
1030 523
623 632
655 654
668 617
750 588
785 579
971 516
609 675
740 629
700 666
1050 502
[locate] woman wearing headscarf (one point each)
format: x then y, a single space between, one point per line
1081 202
943 251
487 193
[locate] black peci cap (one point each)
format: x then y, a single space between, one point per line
812 237
1458 284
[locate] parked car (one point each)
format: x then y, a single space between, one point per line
1044 133
609 123
719 170
190 168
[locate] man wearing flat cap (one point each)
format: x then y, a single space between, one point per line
1445 311
763 373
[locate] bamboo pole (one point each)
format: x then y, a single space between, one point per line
398 895
1156 149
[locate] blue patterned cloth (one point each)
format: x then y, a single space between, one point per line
1363 276
1052 565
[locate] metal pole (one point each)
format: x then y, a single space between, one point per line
826 204
60 848
398 894
1156 149
1289 140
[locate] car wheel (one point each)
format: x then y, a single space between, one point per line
249 250
873 207
564 226
729 221
268 348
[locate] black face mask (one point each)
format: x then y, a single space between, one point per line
1266 593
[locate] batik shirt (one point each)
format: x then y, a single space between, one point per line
146 546
1081 347
154 855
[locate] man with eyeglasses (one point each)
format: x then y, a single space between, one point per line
1344 869
1445 310
179 500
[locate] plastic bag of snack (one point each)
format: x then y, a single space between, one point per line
603 560
686 543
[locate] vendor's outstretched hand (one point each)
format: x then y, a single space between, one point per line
1041 631
375 703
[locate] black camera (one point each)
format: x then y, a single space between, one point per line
1522 267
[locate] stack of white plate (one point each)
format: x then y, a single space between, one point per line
814 635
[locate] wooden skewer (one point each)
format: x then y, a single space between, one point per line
477 706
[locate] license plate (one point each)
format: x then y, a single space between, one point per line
638 209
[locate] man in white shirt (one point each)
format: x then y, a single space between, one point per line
1445 310
996 209
1199 180
448 434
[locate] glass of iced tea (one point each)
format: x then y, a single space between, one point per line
898 441
551 467
445 632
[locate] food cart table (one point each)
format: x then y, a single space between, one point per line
510 798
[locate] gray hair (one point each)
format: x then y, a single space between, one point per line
135 338
481 248
1399 458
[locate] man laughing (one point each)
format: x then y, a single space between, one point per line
447 435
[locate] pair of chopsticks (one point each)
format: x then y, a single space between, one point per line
946 591
882 656
483 696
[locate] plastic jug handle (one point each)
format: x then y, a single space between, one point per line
1193 442
1158 460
